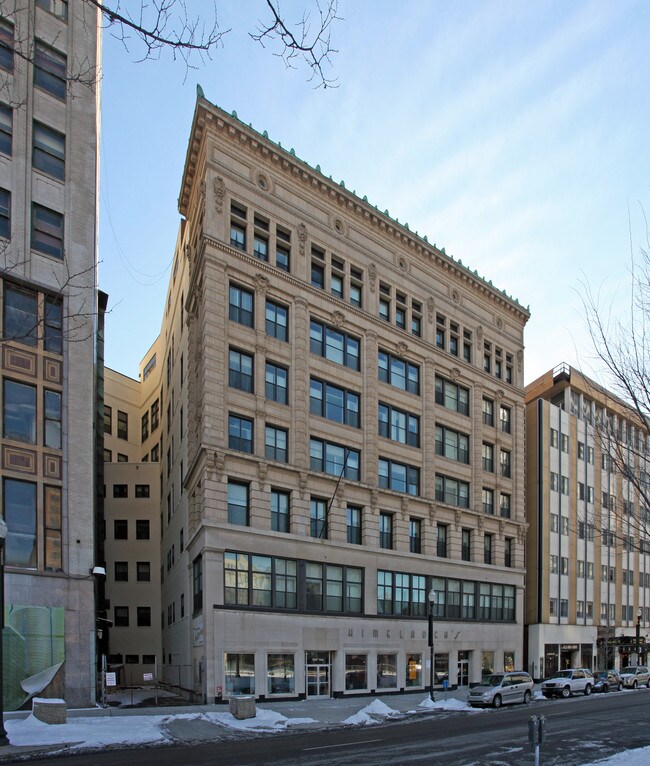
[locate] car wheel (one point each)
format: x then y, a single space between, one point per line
605 688
647 686
620 687
587 690
496 702
527 696
566 692
635 685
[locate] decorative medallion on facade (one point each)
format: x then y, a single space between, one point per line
455 296
214 464
502 529
405 507
372 276
340 493
402 348
458 517
338 225
262 469
481 524
374 498
499 323
302 238
402 264
262 180
479 333
455 373
303 482
219 189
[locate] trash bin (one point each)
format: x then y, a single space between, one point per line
242 706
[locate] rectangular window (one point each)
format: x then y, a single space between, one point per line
318 518
353 525
19 412
121 616
282 249
488 540
356 287
452 491
452 444
144 432
143 570
488 501
57 7
20 315
334 459
508 558
466 545
398 425
356 672
504 505
122 425
504 459
487 451
261 238
47 231
399 373
6 45
240 433
238 503
5 214
441 540
120 490
277 321
386 530
142 490
452 396
240 371
279 511
317 267
337 278
142 529
399 477
505 419
121 571
50 70
334 403
52 421
276 443
386 671
241 306
415 535
334 345
120 529
19 513
143 618
53 525
276 383
281 676
238 226
48 151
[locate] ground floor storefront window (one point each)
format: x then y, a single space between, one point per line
441 668
280 675
386 671
508 661
413 670
356 672
240 673
487 664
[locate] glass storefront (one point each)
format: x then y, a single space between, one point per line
487 664
413 670
508 661
356 672
387 671
240 673
280 677
441 668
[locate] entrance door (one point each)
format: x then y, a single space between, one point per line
463 672
318 681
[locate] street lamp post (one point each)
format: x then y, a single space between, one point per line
432 596
638 636
4 739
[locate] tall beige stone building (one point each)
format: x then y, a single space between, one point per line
48 214
588 551
339 417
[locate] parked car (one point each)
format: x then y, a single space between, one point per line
608 681
633 677
567 682
502 689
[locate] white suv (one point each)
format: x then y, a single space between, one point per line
564 683
633 677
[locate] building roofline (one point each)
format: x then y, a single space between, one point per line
292 164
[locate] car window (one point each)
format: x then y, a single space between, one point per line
562 674
493 680
579 674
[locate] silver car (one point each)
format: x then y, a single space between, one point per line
502 689
633 677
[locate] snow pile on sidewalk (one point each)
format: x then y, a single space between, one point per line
375 712
446 704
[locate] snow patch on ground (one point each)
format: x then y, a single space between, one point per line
446 704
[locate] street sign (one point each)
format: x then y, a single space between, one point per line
111 679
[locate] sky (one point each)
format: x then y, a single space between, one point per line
513 134
101 732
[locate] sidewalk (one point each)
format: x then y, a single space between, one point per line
94 728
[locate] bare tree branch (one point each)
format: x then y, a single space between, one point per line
312 45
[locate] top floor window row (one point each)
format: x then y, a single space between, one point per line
399 373
452 338
58 7
497 362
396 308
332 273
271 243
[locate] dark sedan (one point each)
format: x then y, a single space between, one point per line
607 681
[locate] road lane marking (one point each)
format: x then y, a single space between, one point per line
344 744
